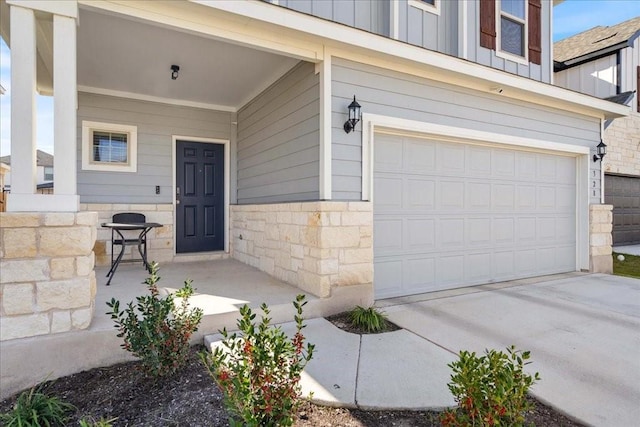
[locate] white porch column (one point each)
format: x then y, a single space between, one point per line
23 121
64 106
23 103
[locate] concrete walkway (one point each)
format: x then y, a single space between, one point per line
583 332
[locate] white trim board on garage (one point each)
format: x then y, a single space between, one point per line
545 201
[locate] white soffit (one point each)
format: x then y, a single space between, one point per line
119 55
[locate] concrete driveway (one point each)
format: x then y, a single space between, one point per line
583 332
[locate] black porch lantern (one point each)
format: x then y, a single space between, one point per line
175 69
601 151
354 116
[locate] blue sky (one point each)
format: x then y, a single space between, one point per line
570 17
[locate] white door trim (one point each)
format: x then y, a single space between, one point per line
227 181
374 123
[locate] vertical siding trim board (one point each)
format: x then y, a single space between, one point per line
372 123
227 179
324 69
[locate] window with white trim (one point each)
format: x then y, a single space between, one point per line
511 27
48 173
109 147
432 6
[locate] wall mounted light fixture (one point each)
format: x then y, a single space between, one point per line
175 69
354 116
601 151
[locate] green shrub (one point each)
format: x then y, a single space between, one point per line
100 423
34 408
259 370
155 329
370 319
490 390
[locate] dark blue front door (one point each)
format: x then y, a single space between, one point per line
199 197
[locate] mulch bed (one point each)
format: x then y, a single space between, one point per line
191 398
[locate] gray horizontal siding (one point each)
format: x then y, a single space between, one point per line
278 141
156 124
484 56
368 15
399 95
437 32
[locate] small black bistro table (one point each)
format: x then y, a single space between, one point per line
117 238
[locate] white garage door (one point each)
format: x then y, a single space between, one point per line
450 214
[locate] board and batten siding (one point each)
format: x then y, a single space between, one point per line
630 61
488 57
596 78
156 124
438 32
368 15
395 94
278 141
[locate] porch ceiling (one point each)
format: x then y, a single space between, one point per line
125 55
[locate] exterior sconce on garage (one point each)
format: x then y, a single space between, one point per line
601 151
354 116
175 69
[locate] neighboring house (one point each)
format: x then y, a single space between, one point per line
225 121
44 170
605 62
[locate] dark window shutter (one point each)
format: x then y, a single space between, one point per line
535 31
488 24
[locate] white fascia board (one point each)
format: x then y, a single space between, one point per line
68 8
443 67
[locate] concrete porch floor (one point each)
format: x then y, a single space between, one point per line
221 288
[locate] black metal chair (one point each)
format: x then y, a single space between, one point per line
119 239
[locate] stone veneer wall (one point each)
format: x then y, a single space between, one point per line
47 282
159 240
312 245
600 240
623 146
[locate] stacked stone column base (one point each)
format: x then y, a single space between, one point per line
600 240
315 246
47 282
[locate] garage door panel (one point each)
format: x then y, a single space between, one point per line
479 161
478 196
451 231
478 267
451 195
421 272
420 194
420 156
546 197
504 164
478 232
623 192
503 196
388 276
450 270
504 231
421 234
387 235
526 197
451 158
456 215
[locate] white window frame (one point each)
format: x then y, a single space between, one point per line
89 127
508 55
419 4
